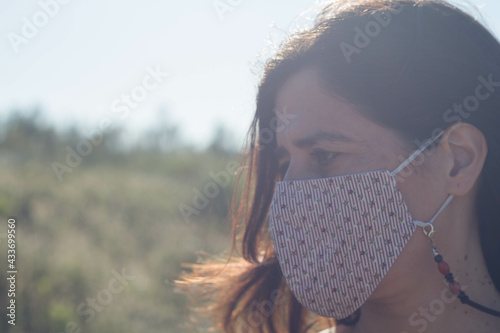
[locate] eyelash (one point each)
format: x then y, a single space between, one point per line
321 153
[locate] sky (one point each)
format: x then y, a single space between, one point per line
195 64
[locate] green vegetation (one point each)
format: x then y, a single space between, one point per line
116 213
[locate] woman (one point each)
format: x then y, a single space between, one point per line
373 181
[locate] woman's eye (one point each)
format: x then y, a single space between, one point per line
324 157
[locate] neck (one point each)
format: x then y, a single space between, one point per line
427 305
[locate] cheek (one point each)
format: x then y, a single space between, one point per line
422 196
299 168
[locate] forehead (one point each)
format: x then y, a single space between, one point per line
303 96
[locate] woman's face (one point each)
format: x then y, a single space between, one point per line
327 137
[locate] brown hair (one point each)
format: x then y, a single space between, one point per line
406 73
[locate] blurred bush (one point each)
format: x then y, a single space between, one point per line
116 211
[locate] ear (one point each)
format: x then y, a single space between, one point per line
466 148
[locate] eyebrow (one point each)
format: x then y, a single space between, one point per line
312 139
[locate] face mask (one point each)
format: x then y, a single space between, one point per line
336 238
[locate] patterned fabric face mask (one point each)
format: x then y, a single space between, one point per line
336 238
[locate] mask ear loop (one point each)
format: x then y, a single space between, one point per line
417 152
426 224
428 229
